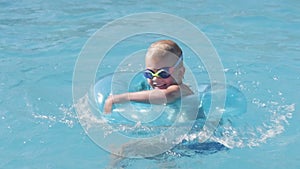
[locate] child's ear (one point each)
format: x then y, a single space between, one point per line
181 72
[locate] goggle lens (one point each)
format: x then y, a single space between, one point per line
162 73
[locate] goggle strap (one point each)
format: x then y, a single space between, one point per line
178 61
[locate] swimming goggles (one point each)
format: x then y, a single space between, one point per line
162 72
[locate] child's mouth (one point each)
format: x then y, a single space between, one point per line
160 86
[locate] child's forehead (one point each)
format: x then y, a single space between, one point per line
160 54
156 62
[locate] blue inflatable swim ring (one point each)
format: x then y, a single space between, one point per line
235 104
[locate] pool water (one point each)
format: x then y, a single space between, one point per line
257 41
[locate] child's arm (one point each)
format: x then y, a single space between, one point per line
156 96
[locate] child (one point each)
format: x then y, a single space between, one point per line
164 73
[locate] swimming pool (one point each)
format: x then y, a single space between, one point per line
257 41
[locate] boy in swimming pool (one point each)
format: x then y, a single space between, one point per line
164 73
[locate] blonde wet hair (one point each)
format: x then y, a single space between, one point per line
165 49
167 45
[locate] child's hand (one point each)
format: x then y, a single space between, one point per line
108 105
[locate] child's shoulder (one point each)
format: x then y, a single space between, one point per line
186 90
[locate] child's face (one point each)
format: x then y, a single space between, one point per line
156 63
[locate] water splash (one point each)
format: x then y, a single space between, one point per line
66 116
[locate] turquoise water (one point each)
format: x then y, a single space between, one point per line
257 41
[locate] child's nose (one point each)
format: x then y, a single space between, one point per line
154 78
